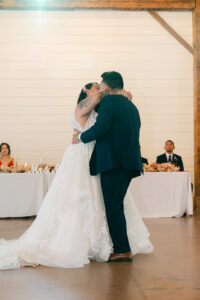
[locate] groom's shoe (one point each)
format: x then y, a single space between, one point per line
121 257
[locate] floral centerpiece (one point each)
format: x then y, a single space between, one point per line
164 167
27 168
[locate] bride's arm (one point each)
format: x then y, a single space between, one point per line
87 105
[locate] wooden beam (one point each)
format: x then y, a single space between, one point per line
167 27
101 4
196 42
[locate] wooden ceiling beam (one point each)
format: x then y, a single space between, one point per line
101 4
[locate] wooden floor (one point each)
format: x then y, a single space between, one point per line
171 272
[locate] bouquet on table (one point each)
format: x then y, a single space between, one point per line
27 168
164 167
16 169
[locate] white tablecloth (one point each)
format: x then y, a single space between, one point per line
21 194
155 194
163 194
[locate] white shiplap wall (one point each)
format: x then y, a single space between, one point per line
47 56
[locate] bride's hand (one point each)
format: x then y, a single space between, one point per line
126 94
130 96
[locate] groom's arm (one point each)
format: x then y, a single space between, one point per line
103 122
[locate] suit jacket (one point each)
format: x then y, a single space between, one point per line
145 160
116 132
177 160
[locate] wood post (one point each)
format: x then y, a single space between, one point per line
196 43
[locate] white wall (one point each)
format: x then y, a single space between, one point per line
46 57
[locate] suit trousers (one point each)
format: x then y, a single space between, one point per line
114 185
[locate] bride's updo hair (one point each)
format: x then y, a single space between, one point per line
83 94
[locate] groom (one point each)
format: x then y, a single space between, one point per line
116 157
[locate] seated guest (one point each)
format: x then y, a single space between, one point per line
5 158
170 156
145 160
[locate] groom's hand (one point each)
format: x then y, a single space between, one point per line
75 135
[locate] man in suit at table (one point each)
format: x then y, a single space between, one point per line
145 161
170 156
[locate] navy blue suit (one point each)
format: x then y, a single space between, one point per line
177 160
117 158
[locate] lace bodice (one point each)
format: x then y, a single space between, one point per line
90 122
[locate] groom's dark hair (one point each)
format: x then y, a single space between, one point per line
113 79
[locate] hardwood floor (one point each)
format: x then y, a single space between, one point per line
171 272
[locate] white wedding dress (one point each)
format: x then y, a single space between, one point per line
71 227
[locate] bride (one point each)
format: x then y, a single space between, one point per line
71 228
